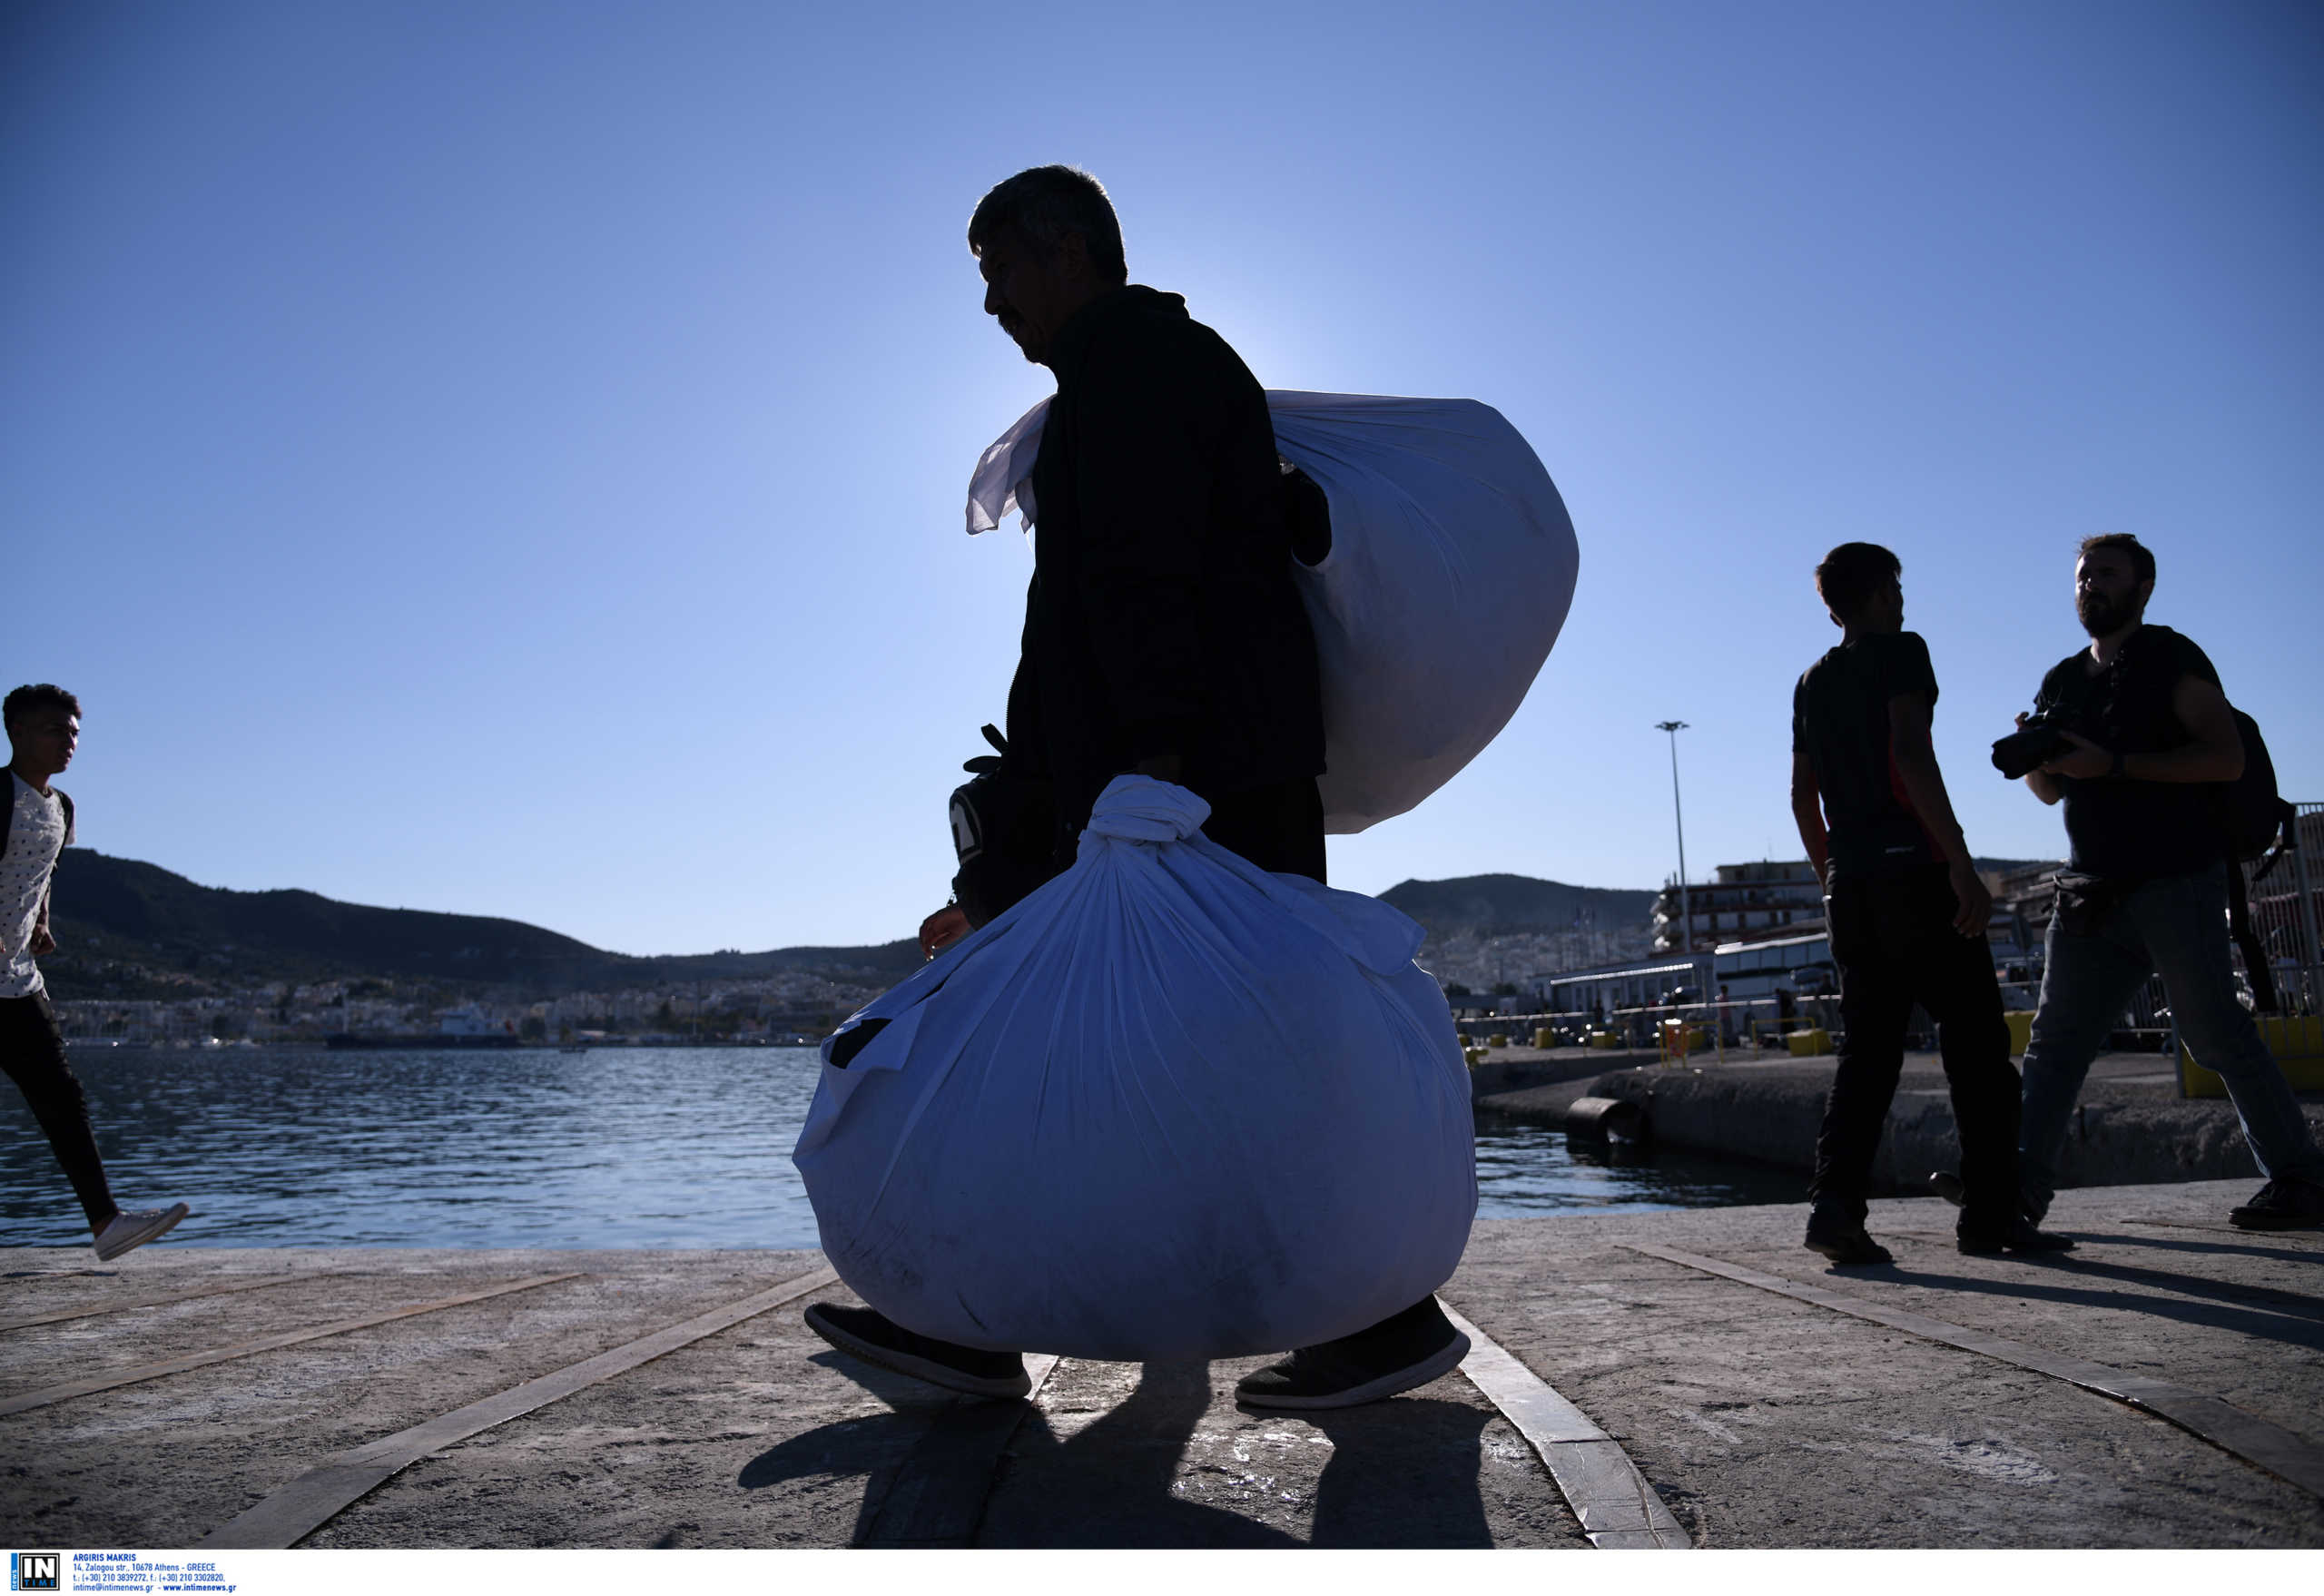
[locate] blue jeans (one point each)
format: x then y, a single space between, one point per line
2174 926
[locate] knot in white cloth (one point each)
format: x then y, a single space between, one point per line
1140 809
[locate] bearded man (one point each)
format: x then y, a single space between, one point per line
2149 736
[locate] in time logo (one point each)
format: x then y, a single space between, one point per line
35 1571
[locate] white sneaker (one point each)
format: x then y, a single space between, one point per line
129 1229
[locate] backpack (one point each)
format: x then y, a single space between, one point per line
2254 815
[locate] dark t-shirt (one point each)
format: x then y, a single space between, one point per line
2133 830
1839 719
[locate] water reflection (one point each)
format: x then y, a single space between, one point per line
628 1147
1526 1170
618 1147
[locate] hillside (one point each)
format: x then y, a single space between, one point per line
1495 905
111 914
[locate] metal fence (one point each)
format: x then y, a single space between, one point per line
2286 913
1747 1026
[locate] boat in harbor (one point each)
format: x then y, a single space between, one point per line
464 1028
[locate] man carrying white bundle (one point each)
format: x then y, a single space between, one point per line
1163 636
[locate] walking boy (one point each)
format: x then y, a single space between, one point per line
1907 916
44 725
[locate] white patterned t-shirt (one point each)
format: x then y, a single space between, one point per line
37 836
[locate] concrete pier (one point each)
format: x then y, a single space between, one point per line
2131 1127
1699 1365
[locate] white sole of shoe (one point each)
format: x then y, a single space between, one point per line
1407 1378
918 1368
152 1229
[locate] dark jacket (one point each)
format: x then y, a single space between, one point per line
1162 616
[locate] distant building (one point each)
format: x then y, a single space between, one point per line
1743 904
1745 972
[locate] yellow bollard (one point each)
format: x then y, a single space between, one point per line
2297 1041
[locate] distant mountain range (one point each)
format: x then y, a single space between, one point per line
111 913
115 915
1496 905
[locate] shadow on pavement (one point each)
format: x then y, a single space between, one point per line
1399 1473
1113 1484
2239 1250
2263 1324
1403 1473
2258 1296
863 1446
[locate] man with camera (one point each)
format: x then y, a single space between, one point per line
2134 736
1907 915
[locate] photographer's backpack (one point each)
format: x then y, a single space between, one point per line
2255 816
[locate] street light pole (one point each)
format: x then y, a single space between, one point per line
1686 910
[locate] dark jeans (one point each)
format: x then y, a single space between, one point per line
1894 942
2174 926
32 1050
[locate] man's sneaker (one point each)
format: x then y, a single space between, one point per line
878 1339
1845 1242
1953 1189
129 1229
1401 1352
2020 1236
2285 1204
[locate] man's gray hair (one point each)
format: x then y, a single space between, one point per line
1047 203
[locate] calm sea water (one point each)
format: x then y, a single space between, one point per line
616 1148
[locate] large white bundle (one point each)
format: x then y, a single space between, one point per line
1451 566
1168 1106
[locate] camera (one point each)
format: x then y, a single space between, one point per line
2033 744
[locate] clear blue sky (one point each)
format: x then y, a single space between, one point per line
509 458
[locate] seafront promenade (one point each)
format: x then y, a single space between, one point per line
1689 1379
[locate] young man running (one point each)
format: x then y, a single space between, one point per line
44 725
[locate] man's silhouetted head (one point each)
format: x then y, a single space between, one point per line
1859 584
1047 242
44 724
2114 577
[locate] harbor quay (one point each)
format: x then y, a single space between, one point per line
2132 1125
1670 1380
